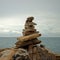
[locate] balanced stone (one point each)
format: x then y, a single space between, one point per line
29 37
30 34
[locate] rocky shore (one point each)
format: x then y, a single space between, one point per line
28 46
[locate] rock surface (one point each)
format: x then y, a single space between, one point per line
14 54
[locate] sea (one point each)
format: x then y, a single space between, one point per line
51 43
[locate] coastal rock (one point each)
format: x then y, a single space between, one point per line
14 54
27 46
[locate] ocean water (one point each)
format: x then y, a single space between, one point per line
52 43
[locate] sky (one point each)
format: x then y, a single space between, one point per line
13 14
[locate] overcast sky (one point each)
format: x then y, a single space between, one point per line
13 14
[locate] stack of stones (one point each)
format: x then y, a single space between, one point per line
29 42
29 34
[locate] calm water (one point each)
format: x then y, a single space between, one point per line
52 43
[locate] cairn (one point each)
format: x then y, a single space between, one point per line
30 34
29 42
26 46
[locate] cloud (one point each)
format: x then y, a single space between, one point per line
13 14
47 25
10 29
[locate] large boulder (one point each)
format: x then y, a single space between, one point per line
14 54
